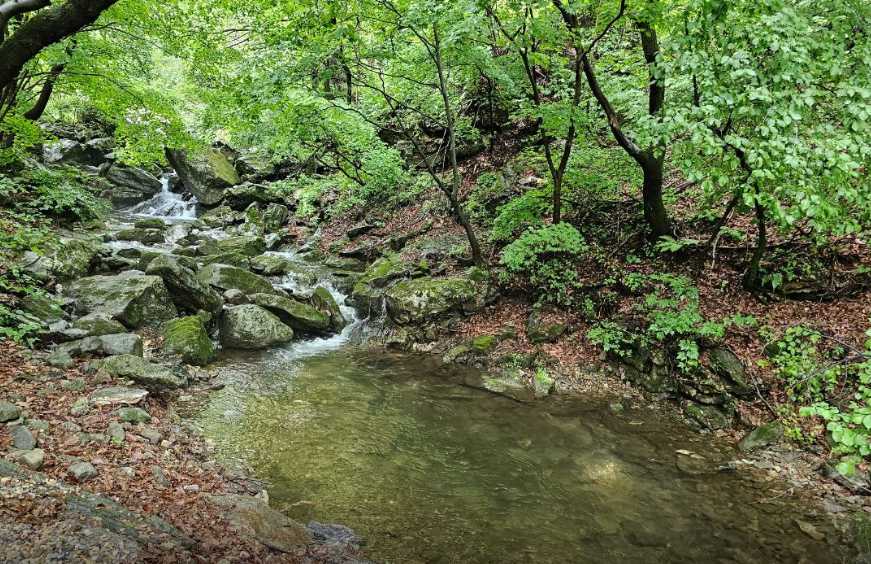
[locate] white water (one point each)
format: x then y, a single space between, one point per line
166 205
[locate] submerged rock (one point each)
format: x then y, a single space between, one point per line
189 292
188 338
228 277
252 327
270 527
301 317
134 299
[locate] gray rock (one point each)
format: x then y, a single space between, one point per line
150 433
325 303
117 395
160 477
235 297
134 299
144 236
243 245
80 407
188 338
271 265
104 345
96 325
150 376
134 415
274 217
9 411
69 151
82 471
131 185
422 300
252 327
116 432
22 438
188 292
221 216
33 459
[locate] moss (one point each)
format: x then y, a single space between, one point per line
188 338
228 277
419 300
222 167
299 316
484 343
150 223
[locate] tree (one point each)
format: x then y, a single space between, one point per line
774 114
650 157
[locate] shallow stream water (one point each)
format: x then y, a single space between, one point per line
430 470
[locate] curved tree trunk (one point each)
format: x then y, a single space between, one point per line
654 209
45 28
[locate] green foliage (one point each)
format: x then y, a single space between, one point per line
669 315
826 379
545 258
520 213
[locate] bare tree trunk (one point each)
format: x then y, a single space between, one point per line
753 276
39 107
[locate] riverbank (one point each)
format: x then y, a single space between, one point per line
110 482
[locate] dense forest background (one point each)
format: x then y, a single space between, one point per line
669 174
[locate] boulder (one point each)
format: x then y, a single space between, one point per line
274 217
117 395
252 327
131 185
82 471
103 345
72 259
369 288
188 338
241 196
150 223
134 299
228 277
727 365
134 415
235 297
144 236
69 151
252 516
323 301
221 216
425 299
189 293
246 245
232 259
708 416
96 325
271 265
42 307
301 317
22 438
207 178
150 376
33 459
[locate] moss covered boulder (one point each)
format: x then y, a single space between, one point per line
323 301
271 265
426 299
133 298
301 317
187 337
207 176
370 287
246 245
221 216
144 236
252 327
226 277
189 293
71 259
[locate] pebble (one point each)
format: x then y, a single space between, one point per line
70 427
9 411
33 459
160 477
82 471
151 434
80 407
22 438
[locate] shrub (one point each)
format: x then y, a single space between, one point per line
546 258
520 213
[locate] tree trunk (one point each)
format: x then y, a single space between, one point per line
654 209
46 28
39 107
753 276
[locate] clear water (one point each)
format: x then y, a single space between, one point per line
430 470
166 205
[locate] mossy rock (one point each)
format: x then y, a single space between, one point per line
221 216
150 376
234 259
144 236
539 330
252 327
246 245
426 299
42 307
134 299
228 277
484 343
271 265
301 317
150 223
187 337
709 416
762 436
323 301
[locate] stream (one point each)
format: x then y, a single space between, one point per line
428 469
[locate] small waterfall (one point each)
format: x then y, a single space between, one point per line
166 204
